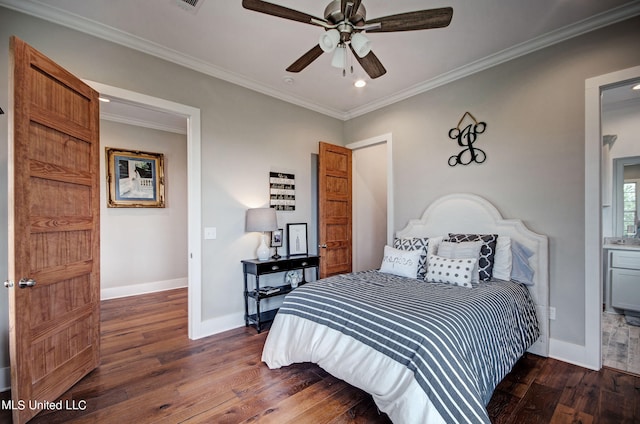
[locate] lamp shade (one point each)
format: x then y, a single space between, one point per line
261 219
329 40
339 59
361 44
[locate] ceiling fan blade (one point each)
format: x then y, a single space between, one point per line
371 64
411 21
306 59
279 11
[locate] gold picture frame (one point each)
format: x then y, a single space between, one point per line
135 179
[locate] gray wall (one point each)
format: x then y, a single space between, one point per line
244 136
144 247
534 141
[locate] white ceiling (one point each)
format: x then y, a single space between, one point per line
252 49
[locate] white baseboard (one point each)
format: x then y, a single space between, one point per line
218 325
571 353
5 379
135 289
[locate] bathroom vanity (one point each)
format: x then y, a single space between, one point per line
622 279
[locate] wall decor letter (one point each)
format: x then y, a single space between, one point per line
466 137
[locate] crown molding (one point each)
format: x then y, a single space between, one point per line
601 20
97 29
105 32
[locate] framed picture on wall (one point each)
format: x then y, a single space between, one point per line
135 179
297 239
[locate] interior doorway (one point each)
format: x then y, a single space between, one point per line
143 249
591 355
620 124
194 214
372 200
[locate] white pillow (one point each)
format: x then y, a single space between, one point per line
462 250
503 259
451 271
400 262
432 248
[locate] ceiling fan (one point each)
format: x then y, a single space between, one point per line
344 22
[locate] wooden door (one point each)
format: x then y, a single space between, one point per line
334 214
53 229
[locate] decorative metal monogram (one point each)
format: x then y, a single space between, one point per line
466 137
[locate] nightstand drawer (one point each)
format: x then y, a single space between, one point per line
269 267
303 262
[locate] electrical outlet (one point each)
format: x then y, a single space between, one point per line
210 233
552 312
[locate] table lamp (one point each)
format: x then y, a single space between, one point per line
262 220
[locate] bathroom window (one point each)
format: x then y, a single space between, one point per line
630 205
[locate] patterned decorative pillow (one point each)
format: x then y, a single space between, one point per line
487 252
432 249
415 243
400 262
462 250
451 271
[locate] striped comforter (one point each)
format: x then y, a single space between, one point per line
458 342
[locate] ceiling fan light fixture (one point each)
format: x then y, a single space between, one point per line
329 40
343 21
339 59
361 44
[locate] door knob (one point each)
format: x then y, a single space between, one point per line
8 284
26 282
322 246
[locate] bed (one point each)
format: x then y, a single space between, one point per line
427 351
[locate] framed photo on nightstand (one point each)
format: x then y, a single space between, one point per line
276 238
276 241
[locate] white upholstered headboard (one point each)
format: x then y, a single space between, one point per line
469 213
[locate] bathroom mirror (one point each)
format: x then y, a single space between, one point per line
626 196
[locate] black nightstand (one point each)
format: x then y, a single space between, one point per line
258 268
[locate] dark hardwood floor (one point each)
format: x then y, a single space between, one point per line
152 373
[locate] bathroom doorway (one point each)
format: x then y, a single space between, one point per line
620 117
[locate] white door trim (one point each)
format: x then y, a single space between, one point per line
194 209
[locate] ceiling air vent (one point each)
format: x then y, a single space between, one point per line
189 5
